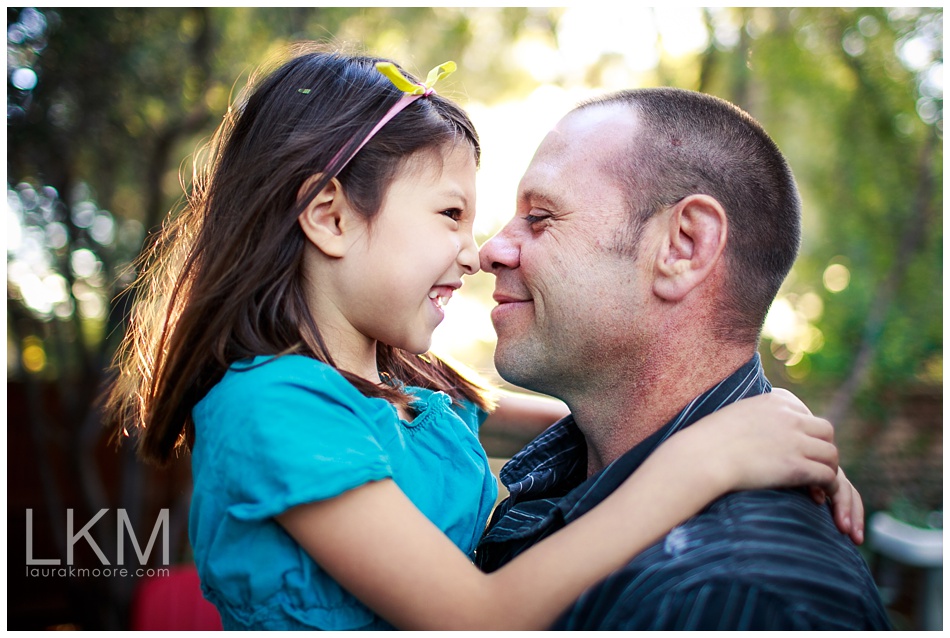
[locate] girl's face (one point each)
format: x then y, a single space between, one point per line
412 255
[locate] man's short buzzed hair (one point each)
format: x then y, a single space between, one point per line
693 143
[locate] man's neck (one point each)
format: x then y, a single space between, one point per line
635 403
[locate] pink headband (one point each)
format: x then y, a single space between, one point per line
412 91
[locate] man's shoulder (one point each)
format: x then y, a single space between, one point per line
783 515
751 534
764 559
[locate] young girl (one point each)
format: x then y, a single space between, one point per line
280 336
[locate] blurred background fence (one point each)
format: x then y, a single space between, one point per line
106 107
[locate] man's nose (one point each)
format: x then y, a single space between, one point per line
501 251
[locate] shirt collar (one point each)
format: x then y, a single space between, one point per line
554 464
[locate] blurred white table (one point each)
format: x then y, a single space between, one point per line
915 547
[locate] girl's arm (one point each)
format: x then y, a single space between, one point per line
516 420
375 543
519 418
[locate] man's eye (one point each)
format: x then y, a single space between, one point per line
453 213
534 219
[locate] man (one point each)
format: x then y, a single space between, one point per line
653 229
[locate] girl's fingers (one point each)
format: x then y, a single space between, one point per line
790 400
818 428
809 472
857 514
818 462
848 509
842 505
825 476
821 451
857 508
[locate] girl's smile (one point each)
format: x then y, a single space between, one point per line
400 268
440 295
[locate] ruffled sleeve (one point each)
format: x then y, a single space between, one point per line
298 432
471 414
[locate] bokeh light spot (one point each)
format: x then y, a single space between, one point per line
811 306
836 277
103 228
33 356
84 262
780 323
24 79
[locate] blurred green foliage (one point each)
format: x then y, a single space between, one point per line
854 96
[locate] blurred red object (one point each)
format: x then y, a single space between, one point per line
173 603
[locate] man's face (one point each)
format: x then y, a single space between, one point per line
567 297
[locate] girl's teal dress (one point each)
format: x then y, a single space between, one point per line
292 431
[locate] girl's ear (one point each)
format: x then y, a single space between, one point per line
327 217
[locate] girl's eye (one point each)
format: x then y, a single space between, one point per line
454 214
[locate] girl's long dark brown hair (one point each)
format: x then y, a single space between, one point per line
223 281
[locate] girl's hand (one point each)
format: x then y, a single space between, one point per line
846 505
775 441
769 441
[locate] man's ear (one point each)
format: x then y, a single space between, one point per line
327 216
693 242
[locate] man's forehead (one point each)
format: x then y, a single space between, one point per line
590 134
582 141
602 123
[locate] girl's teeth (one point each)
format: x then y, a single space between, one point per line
439 300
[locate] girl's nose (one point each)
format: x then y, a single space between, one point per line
468 256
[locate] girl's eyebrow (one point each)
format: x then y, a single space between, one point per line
456 193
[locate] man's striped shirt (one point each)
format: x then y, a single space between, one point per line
767 559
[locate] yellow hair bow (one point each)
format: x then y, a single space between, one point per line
406 85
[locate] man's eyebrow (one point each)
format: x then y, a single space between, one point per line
535 196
